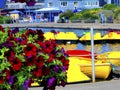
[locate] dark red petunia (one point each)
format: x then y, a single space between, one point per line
7 74
46 71
30 50
2 29
30 32
16 64
64 61
37 72
23 42
51 58
1 80
48 46
30 61
40 35
10 55
40 62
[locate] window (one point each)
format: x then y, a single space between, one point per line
50 4
63 4
75 4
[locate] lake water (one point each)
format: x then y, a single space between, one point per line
99 47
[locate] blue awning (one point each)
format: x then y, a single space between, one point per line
15 12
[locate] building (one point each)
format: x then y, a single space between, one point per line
117 2
10 4
72 4
103 2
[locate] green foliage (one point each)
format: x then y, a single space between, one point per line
86 14
75 17
4 19
116 12
109 6
68 14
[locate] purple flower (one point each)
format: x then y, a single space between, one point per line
51 82
16 30
64 68
63 51
11 80
63 83
26 84
19 39
56 68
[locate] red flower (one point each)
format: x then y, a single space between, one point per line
30 50
40 35
46 71
40 62
16 64
64 61
37 72
1 80
10 55
7 74
1 29
48 46
30 32
51 58
30 61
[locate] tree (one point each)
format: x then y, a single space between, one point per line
109 6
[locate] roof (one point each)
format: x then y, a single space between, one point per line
51 9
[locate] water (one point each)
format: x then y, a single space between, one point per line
99 46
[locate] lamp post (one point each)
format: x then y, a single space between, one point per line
92 50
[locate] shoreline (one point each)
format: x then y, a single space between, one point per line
64 25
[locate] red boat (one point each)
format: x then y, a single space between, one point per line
80 53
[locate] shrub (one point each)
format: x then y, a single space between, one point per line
4 19
109 6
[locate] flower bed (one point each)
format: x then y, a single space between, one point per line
26 57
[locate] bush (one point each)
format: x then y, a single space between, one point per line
116 13
4 19
68 14
109 6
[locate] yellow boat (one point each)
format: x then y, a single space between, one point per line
66 36
112 57
74 74
87 36
111 36
102 70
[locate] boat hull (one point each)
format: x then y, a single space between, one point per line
111 57
102 70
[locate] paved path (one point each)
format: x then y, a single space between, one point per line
102 85
65 25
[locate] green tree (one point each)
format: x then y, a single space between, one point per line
116 12
68 14
109 6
